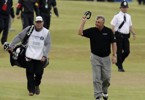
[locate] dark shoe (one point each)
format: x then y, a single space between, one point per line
121 70
105 96
31 94
98 98
37 90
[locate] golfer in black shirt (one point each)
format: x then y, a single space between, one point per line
101 40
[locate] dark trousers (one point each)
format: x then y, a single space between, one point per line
34 72
4 26
123 48
46 18
27 19
141 1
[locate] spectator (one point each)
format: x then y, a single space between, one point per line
45 7
5 11
27 8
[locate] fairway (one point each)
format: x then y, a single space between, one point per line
69 75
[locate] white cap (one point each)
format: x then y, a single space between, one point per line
39 18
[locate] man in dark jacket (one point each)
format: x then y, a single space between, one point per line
45 11
27 8
5 11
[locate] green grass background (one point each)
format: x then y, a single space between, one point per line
69 75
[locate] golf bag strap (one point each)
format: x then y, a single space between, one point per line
29 32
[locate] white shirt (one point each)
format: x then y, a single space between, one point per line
36 44
118 19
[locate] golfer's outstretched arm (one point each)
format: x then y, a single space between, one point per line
81 28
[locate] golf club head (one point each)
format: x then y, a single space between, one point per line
88 14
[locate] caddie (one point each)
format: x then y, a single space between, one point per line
38 47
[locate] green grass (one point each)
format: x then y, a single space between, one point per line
69 75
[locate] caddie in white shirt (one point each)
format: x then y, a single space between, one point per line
38 46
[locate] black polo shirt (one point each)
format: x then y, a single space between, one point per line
100 41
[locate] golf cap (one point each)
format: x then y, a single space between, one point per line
39 18
124 4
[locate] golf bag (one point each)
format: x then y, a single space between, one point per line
17 56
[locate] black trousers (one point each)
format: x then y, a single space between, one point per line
34 72
123 48
4 26
47 18
141 1
27 19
